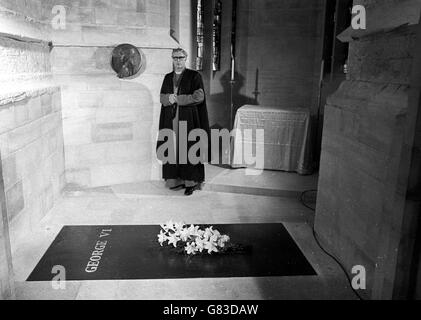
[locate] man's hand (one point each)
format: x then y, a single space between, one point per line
173 98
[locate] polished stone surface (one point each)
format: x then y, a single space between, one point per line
133 252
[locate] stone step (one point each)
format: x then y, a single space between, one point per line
256 191
266 183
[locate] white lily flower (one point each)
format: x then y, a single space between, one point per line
164 227
178 226
211 247
200 233
208 233
200 244
214 238
170 225
162 237
194 230
216 233
185 234
195 239
191 248
173 240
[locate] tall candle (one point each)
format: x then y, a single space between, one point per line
233 69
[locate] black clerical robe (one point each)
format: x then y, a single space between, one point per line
194 114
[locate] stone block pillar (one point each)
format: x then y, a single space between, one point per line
363 175
6 266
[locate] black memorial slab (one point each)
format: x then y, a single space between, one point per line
133 252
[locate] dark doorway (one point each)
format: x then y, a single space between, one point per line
338 15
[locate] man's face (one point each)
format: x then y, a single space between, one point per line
179 60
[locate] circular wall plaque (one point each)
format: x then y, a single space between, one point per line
126 60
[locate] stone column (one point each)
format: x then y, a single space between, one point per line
363 181
6 268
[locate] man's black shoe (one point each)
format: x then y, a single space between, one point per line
189 190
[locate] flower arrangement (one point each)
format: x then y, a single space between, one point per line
193 240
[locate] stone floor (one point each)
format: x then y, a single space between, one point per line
228 197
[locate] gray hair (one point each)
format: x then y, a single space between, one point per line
180 50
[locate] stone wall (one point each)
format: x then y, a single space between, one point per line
187 27
280 46
362 189
24 43
278 52
107 126
6 264
32 9
31 134
219 92
32 153
110 125
24 60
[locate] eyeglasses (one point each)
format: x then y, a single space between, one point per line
178 58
